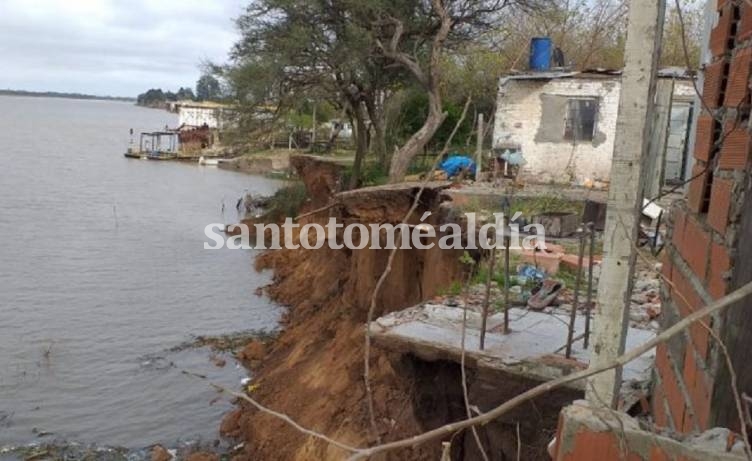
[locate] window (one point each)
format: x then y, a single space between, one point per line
582 115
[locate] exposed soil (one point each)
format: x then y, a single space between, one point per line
313 371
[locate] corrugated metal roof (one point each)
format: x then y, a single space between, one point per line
596 73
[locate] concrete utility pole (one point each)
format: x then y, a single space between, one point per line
479 151
625 194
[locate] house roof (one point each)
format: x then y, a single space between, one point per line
593 74
201 104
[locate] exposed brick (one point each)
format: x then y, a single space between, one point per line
700 339
687 300
659 410
695 247
671 389
721 33
589 445
720 204
704 140
744 27
735 150
701 397
696 193
677 234
737 88
699 391
714 83
657 454
720 263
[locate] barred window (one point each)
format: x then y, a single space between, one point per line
581 121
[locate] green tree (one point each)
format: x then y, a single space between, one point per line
151 98
296 50
208 88
185 93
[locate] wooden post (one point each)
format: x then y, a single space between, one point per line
479 151
625 194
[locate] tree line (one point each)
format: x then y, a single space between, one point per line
401 70
208 88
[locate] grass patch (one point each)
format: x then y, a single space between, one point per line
531 206
371 174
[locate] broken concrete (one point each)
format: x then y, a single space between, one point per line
532 350
587 433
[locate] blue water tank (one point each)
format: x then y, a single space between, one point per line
540 53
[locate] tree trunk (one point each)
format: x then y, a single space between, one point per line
404 156
376 114
333 138
361 143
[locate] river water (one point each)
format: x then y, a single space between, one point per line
103 272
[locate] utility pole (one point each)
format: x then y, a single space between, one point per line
611 321
479 151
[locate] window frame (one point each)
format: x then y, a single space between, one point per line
571 132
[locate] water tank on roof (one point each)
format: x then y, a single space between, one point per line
540 53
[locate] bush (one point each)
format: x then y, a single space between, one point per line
287 202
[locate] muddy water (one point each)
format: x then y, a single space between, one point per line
102 272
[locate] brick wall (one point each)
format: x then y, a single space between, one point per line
592 434
691 386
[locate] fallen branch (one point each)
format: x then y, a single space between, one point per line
275 414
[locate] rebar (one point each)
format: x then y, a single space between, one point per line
486 300
576 300
589 306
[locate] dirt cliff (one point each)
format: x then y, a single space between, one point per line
313 371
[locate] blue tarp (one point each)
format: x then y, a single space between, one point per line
456 164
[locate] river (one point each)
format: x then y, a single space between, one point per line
103 273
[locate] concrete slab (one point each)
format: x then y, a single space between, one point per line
534 349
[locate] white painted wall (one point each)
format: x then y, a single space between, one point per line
518 120
519 117
197 116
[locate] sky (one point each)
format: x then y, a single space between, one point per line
112 47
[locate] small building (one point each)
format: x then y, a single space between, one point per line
564 124
213 115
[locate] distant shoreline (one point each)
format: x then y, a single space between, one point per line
55 94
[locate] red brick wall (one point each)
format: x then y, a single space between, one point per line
590 434
700 255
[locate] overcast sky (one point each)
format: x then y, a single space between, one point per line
112 47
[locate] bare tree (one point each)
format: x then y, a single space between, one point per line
416 39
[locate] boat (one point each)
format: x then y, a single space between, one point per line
208 161
134 154
156 145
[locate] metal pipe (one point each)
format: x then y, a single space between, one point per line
589 306
576 301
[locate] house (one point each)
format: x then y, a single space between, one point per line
202 113
564 122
